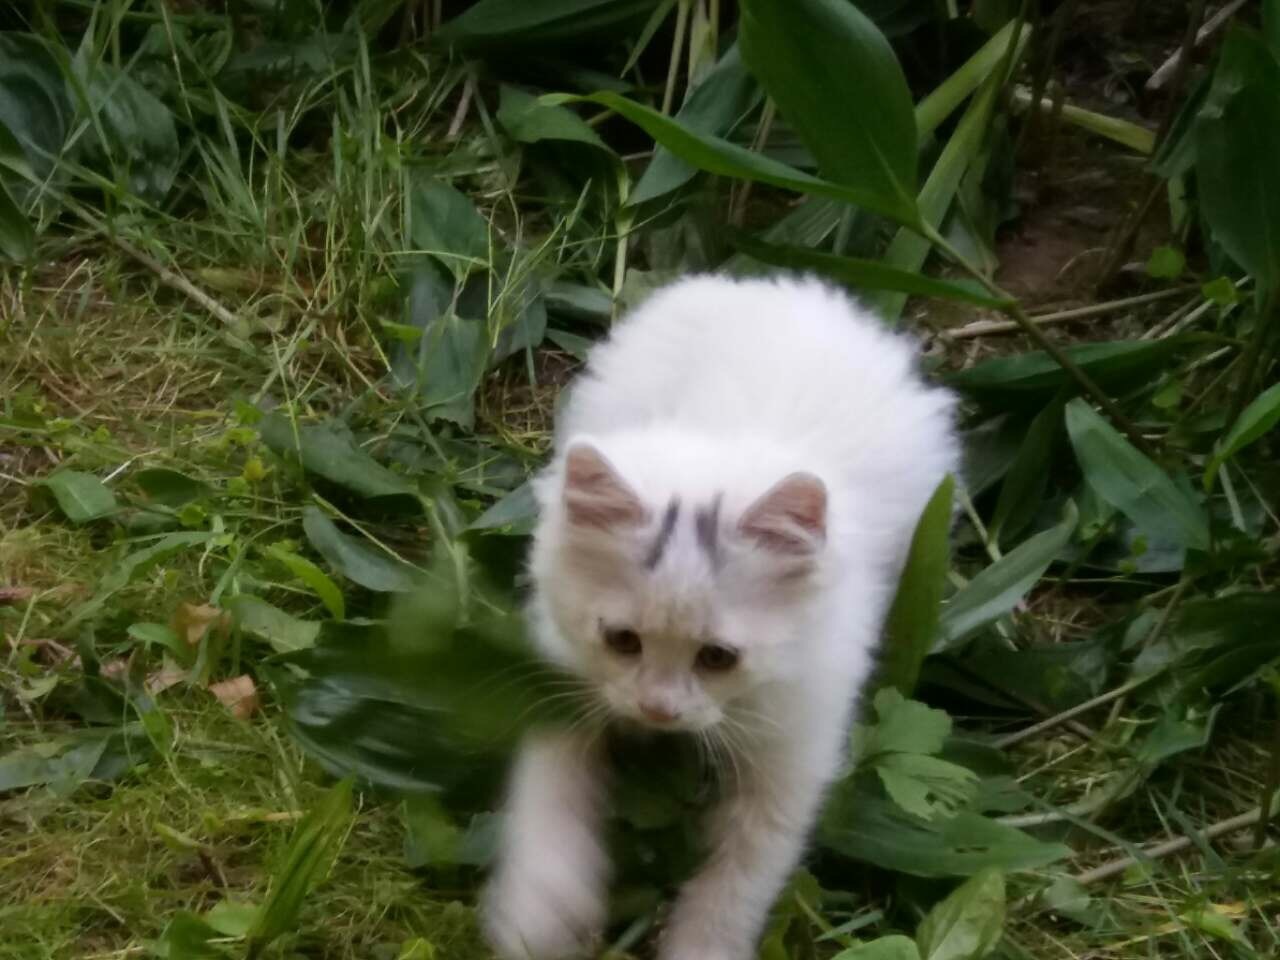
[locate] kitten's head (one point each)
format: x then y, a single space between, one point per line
675 609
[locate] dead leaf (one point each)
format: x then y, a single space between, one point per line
16 594
158 681
239 695
192 621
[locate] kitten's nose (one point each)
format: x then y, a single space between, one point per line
656 713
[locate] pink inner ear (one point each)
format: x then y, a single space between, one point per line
791 517
595 495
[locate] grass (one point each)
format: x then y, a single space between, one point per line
291 267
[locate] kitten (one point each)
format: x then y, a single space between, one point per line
736 481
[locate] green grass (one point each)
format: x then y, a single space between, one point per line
301 252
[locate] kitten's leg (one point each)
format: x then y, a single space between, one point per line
761 830
546 898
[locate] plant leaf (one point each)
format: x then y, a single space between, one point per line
996 590
1028 477
715 107
1240 198
893 947
529 120
81 496
312 576
1256 420
329 452
913 619
716 155
968 923
170 488
864 274
17 237
518 23
809 52
356 560
446 224
1124 477
314 846
283 631
133 133
905 726
1117 361
514 514
860 824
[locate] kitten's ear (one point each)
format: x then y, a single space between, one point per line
791 518
595 495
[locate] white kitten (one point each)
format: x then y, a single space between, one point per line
737 478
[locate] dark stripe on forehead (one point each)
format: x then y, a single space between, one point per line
664 534
706 522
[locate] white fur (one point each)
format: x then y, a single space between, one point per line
718 388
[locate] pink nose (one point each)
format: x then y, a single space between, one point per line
657 714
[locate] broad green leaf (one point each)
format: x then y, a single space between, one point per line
893 947
1166 263
17 237
35 113
1240 197
905 726
513 514
358 561
81 496
809 53
1024 485
162 635
100 753
327 450
864 274
415 708
446 224
231 918
132 132
169 487
917 605
529 120
314 846
1118 361
1173 735
967 924
187 937
719 156
715 107
313 577
1254 422
283 631
948 95
908 250
926 787
454 352
1125 478
997 589
864 826
518 23
1271 25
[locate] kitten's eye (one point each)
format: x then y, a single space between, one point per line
712 656
624 642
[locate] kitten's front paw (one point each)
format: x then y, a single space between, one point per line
543 910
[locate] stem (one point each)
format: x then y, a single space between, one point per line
677 50
1070 714
1177 845
1014 311
1273 783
